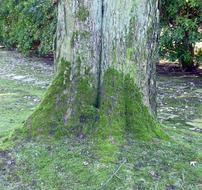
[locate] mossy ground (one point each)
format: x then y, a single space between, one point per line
71 164
53 164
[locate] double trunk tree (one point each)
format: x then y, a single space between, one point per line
105 82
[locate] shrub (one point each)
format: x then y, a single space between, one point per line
28 25
180 23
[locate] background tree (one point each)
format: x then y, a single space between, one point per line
180 22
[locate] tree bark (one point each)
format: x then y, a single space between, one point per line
105 82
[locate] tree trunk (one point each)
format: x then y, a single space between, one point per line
186 57
105 82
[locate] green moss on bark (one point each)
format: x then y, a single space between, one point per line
131 34
82 14
48 117
139 122
122 113
66 109
77 35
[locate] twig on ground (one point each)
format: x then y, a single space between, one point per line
113 175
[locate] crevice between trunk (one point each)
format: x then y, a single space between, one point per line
100 60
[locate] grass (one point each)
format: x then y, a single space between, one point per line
72 164
19 98
17 102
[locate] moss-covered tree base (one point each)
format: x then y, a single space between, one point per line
121 112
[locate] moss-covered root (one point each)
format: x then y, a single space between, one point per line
123 113
66 109
48 117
